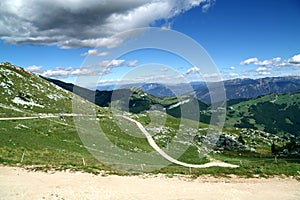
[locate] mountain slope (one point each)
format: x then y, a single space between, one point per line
24 93
275 113
41 136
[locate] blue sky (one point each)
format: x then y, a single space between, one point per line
248 38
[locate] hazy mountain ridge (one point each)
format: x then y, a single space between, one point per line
234 89
252 88
132 99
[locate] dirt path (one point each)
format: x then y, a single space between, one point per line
17 183
33 117
169 158
44 115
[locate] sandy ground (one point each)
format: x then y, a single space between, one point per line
18 183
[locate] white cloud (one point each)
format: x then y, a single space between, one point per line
132 63
167 26
83 23
58 72
233 74
34 69
271 62
64 72
212 75
274 62
264 73
94 52
192 70
111 63
261 69
296 58
206 7
102 68
294 61
249 61
83 71
232 67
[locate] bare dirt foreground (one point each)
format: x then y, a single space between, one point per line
18 183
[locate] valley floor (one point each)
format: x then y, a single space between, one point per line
18 183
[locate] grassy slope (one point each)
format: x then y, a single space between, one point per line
276 113
44 141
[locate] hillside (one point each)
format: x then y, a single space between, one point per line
25 94
31 123
275 113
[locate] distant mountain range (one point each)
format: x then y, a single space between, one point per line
132 99
156 89
252 88
234 89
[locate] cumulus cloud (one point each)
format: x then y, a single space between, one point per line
274 62
111 63
34 69
270 62
264 73
58 72
249 61
64 72
102 68
261 69
212 75
232 67
192 70
206 7
94 52
132 63
255 61
233 74
294 61
83 23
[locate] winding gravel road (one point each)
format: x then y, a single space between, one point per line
169 158
43 116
